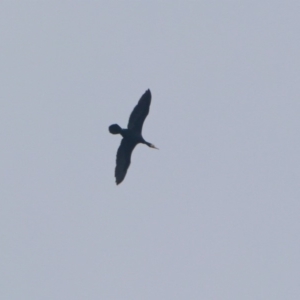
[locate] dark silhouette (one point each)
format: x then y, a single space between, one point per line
131 136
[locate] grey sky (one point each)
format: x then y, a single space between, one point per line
214 214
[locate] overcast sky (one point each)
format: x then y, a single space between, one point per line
213 214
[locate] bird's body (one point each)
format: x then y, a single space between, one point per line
131 136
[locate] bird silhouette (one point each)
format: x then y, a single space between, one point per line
131 136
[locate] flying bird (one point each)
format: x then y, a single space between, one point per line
131 136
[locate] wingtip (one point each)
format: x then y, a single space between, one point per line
148 94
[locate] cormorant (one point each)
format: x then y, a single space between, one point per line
131 136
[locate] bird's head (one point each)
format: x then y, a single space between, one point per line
152 146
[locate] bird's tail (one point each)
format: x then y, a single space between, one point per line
115 129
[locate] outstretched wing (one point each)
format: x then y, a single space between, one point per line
123 159
140 112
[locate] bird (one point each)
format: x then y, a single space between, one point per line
131 136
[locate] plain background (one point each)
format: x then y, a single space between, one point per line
214 214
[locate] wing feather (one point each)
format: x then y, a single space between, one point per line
123 159
140 112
